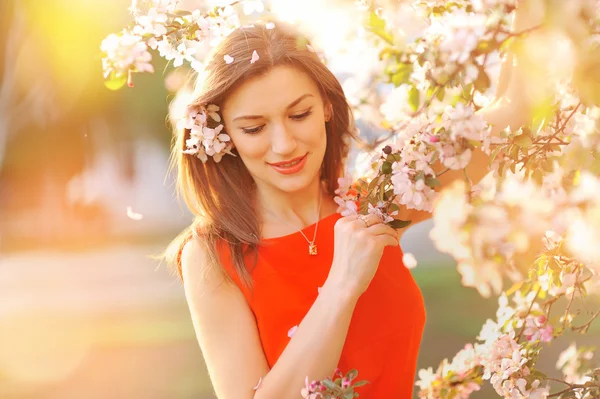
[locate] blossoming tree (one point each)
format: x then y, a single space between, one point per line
534 220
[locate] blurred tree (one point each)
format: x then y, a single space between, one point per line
55 112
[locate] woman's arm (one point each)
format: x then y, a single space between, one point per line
511 106
228 336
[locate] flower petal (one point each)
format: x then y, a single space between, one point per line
255 57
292 331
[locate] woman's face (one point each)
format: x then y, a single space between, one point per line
277 117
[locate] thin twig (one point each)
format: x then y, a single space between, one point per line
528 311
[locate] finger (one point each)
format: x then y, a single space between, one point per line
392 242
369 220
388 238
382 228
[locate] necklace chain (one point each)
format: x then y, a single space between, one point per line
312 248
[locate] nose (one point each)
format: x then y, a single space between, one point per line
283 141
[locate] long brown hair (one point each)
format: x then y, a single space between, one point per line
218 193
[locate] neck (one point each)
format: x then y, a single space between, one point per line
298 208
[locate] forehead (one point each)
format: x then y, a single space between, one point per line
270 93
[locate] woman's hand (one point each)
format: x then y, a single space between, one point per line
357 251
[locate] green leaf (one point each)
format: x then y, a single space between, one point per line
467 90
441 93
513 289
360 383
494 154
329 384
399 224
388 52
414 98
364 206
388 194
483 81
523 141
374 182
376 25
386 168
514 152
432 182
352 374
393 207
375 21
402 74
114 81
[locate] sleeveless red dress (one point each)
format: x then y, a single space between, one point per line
387 324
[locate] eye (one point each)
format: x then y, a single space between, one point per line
253 130
301 116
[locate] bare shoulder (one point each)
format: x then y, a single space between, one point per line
224 324
196 267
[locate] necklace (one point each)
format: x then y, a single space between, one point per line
312 247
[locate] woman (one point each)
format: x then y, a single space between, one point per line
270 306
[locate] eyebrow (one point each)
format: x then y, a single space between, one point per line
295 102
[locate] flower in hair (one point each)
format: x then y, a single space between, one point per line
206 133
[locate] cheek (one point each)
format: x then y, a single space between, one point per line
249 147
315 132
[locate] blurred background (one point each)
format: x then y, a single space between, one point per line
85 198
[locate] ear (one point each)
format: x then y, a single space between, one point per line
328 112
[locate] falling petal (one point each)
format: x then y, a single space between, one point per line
255 57
310 48
132 215
319 289
409 260
258 385
228 59
270 25
292 331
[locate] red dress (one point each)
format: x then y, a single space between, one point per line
387 324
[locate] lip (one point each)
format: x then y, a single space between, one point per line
293 169
290 161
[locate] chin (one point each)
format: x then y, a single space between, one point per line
296 182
